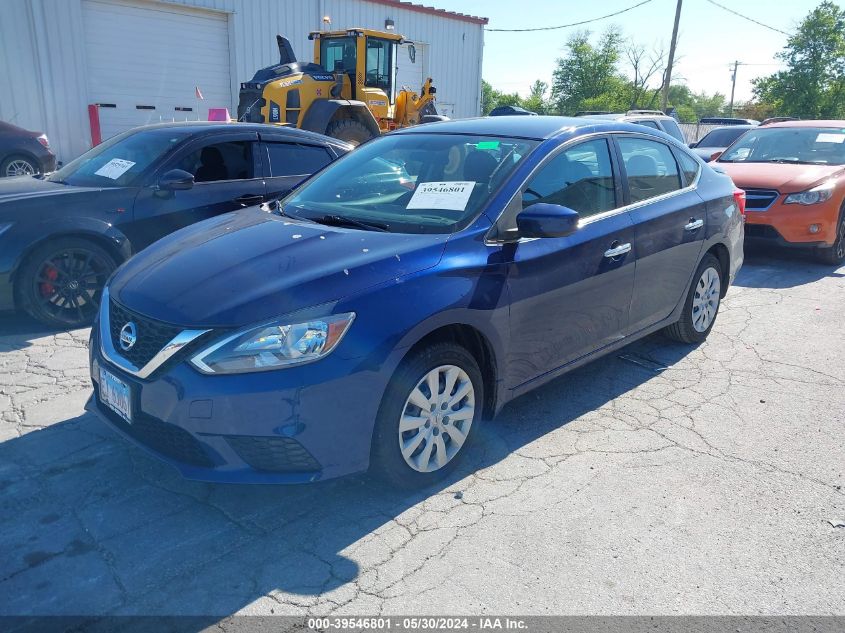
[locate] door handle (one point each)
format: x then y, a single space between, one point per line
249 199
616 251
693 224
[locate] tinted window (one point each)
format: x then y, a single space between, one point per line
650 124
673 130
220 161
291 159
411 183
580 178
689 166
722 137
650 167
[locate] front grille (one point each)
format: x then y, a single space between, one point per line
760 199
167 439
151 335
761 231
273 454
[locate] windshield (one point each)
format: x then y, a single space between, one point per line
802 145
410 183
121 159
722 138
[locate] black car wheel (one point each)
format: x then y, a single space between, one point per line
429 414
835 254
61 282
701 305
350 131
18 166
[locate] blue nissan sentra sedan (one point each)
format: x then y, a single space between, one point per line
376 316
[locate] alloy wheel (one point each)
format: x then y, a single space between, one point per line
840 240
705 301
68 284
436 418
19 167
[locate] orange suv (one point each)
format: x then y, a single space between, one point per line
793 174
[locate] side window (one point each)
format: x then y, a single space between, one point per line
292 159
232 160
672 129
650 124
650 167
689 166
580 178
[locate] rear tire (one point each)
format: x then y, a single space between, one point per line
18 166
701 307
349 130
61 282
835 255
438 427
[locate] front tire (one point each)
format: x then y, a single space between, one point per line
701 305
349 130
61 282
835 255
428 416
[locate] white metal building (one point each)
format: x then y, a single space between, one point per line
142 60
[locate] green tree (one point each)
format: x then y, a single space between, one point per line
491 98
586 72
536 99
813 84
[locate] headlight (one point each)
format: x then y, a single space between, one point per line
273 346
815 195
5 227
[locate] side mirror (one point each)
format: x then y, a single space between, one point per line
176 180
547 220
693 145
412 53
715 155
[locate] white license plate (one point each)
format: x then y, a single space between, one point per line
115 394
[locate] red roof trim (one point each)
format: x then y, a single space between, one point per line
419 8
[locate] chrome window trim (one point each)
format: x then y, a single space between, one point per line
109 352
605 214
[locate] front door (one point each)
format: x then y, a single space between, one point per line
227 177
570 295
669 217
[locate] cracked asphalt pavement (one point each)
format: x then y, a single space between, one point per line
676 480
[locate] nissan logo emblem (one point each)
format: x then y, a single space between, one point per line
128 336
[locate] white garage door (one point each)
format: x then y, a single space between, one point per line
408 73
144 62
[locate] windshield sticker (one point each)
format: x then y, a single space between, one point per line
487 145
115 168
827 137
452 196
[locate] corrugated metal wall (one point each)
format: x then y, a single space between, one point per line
42 54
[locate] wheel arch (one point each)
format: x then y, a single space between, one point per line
322 113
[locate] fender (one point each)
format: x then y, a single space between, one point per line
321 113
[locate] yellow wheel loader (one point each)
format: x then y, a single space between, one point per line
348 92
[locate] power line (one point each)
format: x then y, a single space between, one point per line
565 26
745 17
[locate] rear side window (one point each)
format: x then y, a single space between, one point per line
650 124
689 167
672 129
650 167
580 178
293 159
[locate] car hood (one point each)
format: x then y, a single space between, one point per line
247 266
781 176
20 188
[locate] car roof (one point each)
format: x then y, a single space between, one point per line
532 127
622 116
223 126
805 123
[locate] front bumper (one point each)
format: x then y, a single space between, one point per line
296 425
790 224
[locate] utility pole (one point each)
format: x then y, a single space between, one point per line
667 78
733 86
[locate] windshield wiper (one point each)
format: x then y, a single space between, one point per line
340 220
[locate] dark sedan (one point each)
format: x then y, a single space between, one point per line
718 139
62 235
23 152
364 324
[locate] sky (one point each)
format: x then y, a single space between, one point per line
709 38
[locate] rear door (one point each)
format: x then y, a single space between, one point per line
669 217
571 295
289 163
227 173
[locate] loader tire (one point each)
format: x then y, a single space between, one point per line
349 130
